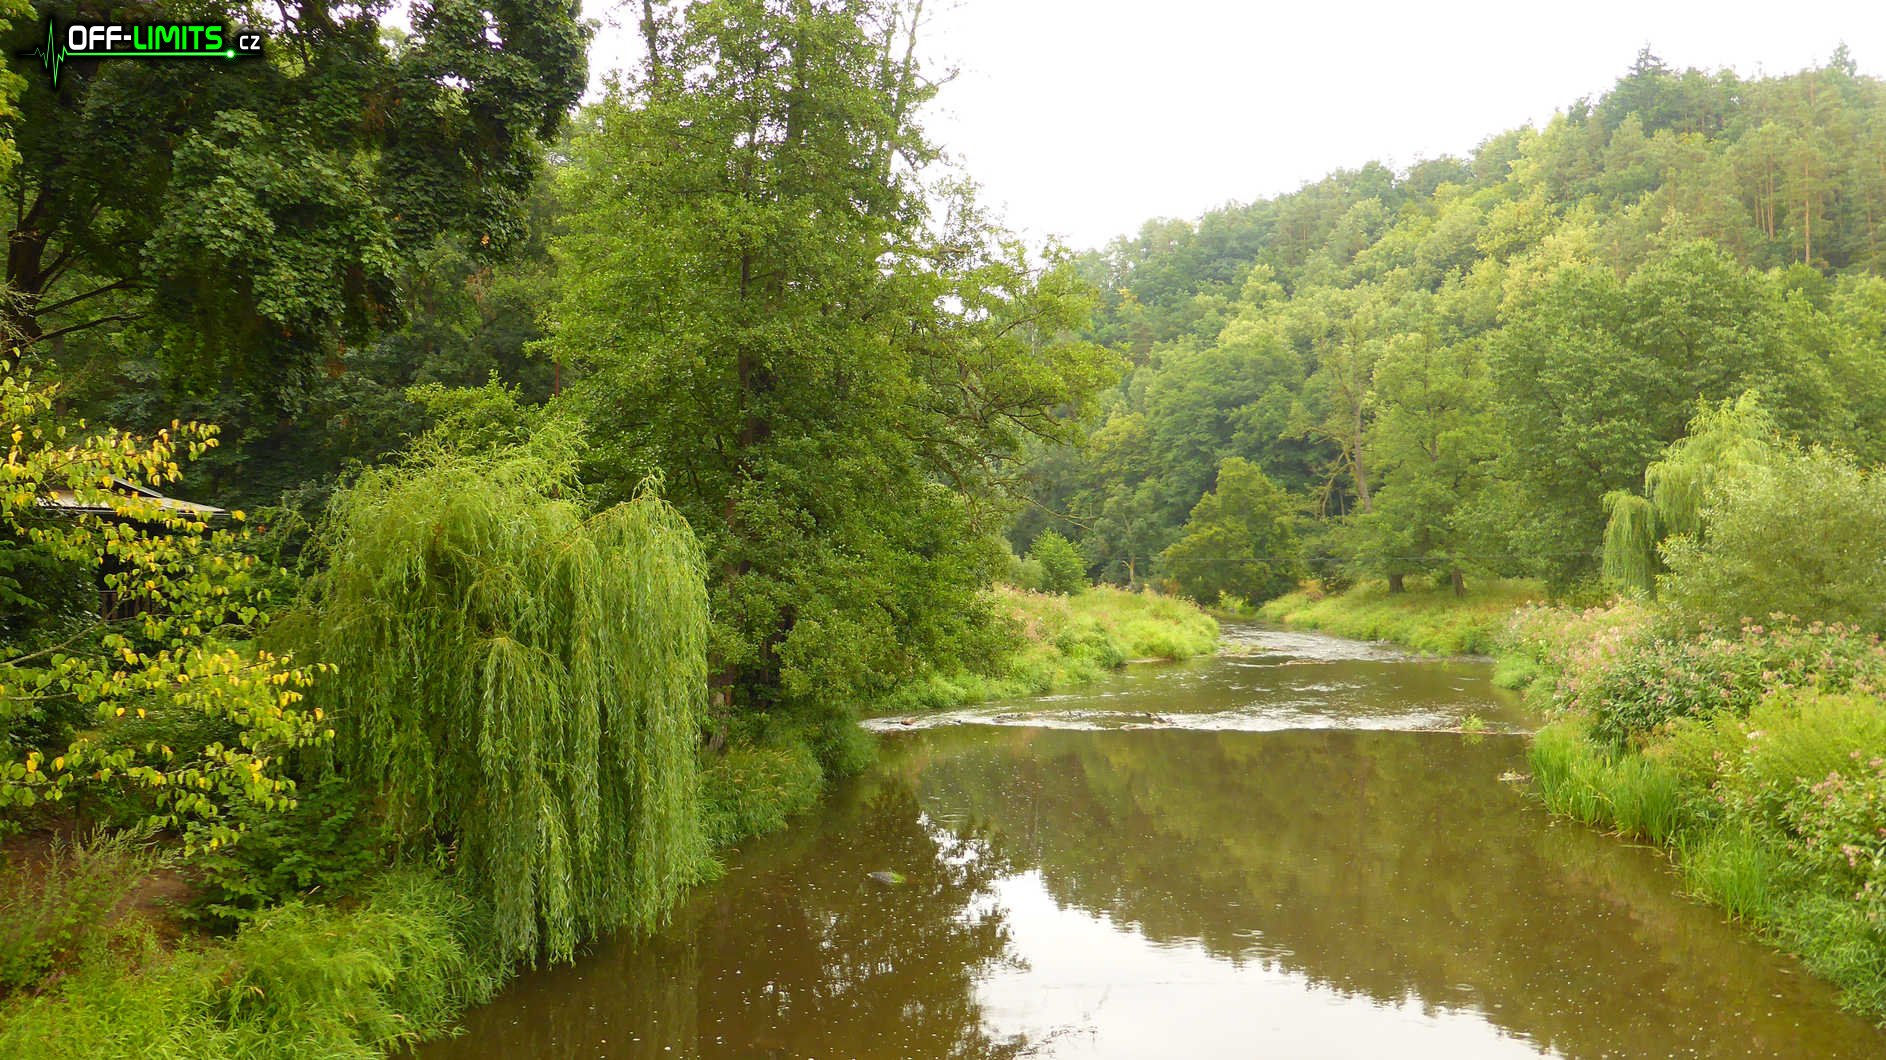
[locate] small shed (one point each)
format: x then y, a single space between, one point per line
67 503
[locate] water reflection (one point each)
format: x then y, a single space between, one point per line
1391 869
1175 889
798 952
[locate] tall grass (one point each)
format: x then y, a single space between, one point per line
1734 868
1630 794
751 791
1064 642
1426 618
51 901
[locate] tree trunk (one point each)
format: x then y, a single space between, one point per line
1355 463
1395 585
25 281
1459 580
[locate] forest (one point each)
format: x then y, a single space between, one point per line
1447 371
445 511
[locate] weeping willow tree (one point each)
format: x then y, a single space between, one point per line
1723 439
521 681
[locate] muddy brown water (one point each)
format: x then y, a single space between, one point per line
1287 852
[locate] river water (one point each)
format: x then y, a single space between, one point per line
1290 850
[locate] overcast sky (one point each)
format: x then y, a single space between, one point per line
1083 118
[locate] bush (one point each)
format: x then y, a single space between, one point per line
1838 828
751 791
1063 571
1754 561
1638 687
324 845
1759 760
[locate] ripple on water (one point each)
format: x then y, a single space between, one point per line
1357 686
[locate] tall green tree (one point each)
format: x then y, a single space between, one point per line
251 219
1240 540
832 362
1433 442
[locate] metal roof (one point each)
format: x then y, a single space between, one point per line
67 502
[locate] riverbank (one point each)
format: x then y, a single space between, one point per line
1755 758
1065 642
397 961
393 966
1425 618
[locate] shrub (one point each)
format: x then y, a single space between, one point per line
1635 688
751 791
1754 560
301 981
76 688
324 845
1763 764
1837 827
1063 571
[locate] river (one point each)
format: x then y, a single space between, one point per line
1290 850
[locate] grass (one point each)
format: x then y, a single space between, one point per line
52 900
1064 642
1426 618
1731 867
1628 793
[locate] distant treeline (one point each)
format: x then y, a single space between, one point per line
1448 368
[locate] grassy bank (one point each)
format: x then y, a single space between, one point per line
1427 617
1064 642
1757 759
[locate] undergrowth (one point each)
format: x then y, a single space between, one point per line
298 981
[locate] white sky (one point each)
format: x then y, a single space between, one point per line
1084 118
